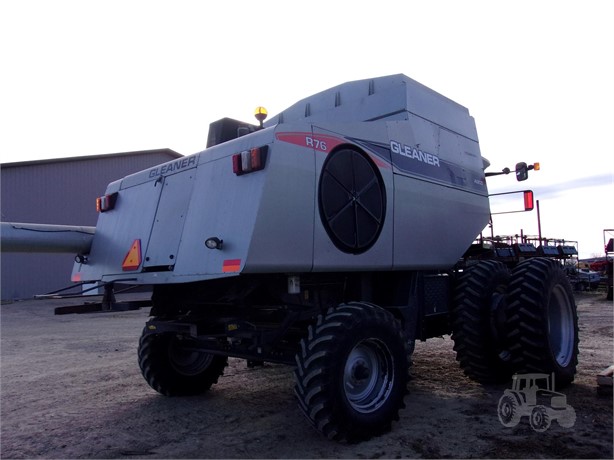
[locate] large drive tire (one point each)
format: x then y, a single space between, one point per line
543 321
352 372
476 319
173 369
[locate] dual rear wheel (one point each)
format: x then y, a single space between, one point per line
519 322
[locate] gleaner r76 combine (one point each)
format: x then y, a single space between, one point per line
330 238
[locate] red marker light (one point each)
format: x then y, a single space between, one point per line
256 159
106 203
236 164
249 160
528 200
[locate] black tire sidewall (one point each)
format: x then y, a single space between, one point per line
396 348
475 329
532 286
160 373
325 354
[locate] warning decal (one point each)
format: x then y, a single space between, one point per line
132 261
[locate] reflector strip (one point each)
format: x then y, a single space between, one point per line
231 266
132 261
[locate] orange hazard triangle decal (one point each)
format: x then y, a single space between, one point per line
132 261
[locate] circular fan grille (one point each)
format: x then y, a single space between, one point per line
352 200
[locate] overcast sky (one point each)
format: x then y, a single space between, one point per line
86 78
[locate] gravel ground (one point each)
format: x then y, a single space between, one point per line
71 388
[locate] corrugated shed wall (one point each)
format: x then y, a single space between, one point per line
58 192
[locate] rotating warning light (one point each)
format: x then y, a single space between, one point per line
260 113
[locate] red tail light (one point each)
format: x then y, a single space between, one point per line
106 203
249 160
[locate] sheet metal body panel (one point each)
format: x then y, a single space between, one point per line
167 226
282 239
423 145
221 207
441 199
115 234
376 99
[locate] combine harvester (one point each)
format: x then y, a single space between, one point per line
329 238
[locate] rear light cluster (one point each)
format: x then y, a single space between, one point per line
106 203
249 160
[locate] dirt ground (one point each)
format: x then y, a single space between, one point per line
71 388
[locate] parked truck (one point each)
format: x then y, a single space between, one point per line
330 238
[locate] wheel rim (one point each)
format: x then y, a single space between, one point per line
187 361
561 334
368 376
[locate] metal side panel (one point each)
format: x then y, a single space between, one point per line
282 240
377 98
118 229
169 220
434 225
441 200
224 206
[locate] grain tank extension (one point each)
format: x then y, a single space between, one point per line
330 238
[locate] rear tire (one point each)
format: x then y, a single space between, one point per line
173 369
352 372
479 303
543 320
